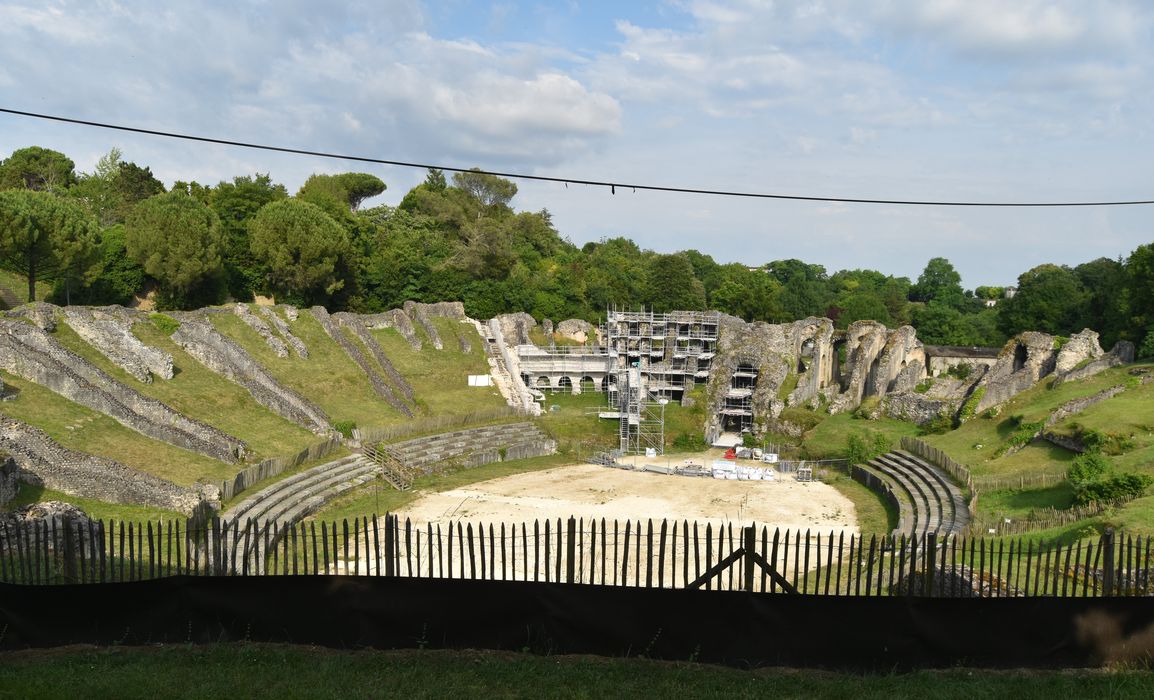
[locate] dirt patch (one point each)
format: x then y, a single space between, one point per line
594 492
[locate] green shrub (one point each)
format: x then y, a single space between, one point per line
689 442
345 427
924 386
1087 467
864 445
970 407
167 324
865 410
1125 486
941 423
1059 341
960 371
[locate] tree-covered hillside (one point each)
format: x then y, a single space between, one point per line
104 237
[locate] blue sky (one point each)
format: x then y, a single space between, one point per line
908 99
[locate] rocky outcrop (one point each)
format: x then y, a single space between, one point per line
31 353
109 330
8 483
1122 353
1081 347
515 328
45 462
917 408
376 381
421 313
578 329
42 315
208 346
273 341
397 320
293 342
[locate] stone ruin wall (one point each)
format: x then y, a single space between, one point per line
29 352
109 330
43 461
357 327
376 381
206 345
286 333
258 324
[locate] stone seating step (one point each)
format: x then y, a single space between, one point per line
948 497
953 494
931 498
314 497
256 504
918 498
906 510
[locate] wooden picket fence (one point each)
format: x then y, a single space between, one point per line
662 554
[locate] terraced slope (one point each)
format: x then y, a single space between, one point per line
929 502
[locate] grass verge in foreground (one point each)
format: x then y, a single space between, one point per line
278 671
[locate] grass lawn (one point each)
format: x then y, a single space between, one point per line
874 515
572 420
200 393
251 670
829 438
79 428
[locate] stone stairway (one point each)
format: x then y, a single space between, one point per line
511 386
929 502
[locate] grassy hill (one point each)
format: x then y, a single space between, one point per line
328 377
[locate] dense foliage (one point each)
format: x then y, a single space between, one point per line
460 238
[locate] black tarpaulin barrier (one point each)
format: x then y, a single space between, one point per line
733 628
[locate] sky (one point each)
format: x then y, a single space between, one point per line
892 99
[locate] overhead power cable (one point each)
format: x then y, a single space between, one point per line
613 186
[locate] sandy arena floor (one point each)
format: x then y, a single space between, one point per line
591 491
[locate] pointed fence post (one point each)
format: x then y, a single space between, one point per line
571 550
1108 562
749 544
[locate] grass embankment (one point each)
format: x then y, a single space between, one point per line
97 510
200 393
79 428
328 377
440 377
19 285
1130 414
245 669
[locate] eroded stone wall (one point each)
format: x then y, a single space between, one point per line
220 354
45 462
109 330
31 353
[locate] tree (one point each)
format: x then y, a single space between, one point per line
178 241
487 190
345 191
939 282
237 203
804 288
44 237
1050 299
120 276
303 247
1105 283
36 168
671 285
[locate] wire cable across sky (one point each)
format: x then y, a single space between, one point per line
612 186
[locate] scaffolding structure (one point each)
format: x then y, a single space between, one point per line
654 358
737 404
